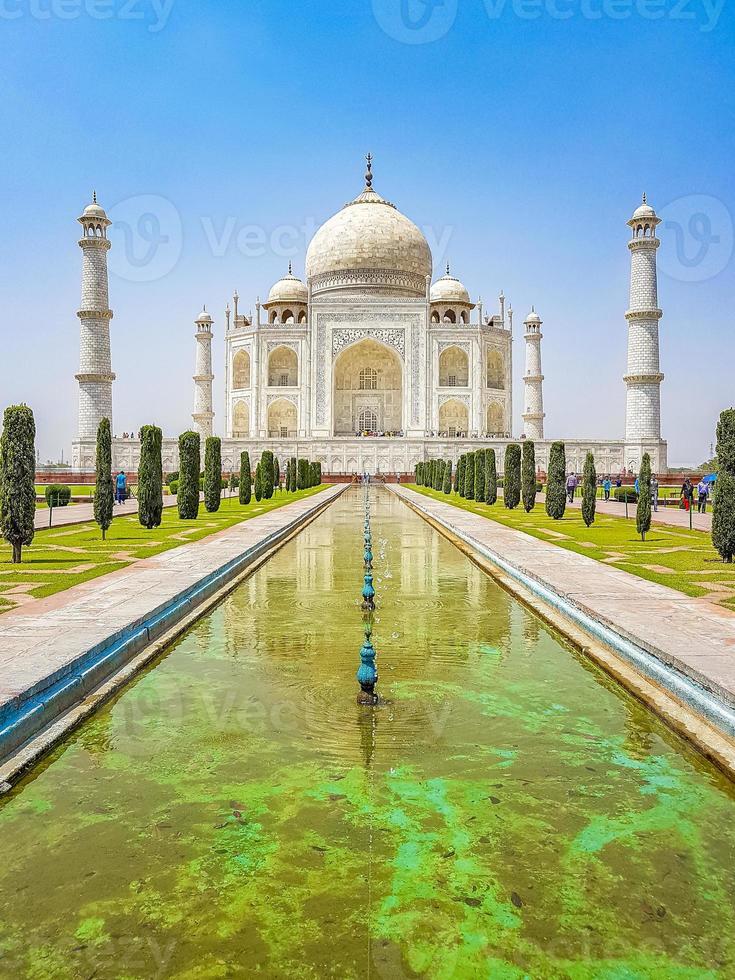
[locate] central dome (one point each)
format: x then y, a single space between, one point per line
369 244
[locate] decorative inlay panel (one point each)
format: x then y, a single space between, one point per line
392 338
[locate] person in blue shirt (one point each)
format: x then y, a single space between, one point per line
607 487
121 488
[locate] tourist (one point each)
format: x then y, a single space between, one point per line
687 494
571 486
703 491
654 491
607 487
121 488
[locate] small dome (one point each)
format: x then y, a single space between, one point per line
290 289
533 317
204 317
94 210
449 290
644 210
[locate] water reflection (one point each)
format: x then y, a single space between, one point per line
509 812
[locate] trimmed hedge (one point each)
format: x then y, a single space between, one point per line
626 493
245 487
723 519
491 477
512 476
58 495
150 478
528 476
213 474
556 488
190 464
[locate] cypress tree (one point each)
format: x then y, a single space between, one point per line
318 471
150 477
447 488
469 477
245 478
589 490
189 466
643 510
258 483
461 468
276 474
416 474
512 476
491 477
212 474
438 474
18 478
294 474
104 495
528 476
312 474
302 476
556 488
266 474
480 475
723 518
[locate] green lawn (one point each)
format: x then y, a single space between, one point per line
679 558
65 556
77 489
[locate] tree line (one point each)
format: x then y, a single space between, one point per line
475 478
18 472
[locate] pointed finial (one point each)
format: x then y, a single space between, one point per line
533 309
369 172
644 197
94 197
447 268
290 269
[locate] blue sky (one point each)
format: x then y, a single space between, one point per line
518 133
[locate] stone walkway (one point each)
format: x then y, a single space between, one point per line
695 636
53 639
664 515
81 513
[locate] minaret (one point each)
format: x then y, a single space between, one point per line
95 364
533 380
643 377
203 412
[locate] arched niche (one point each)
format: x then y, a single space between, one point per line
368 377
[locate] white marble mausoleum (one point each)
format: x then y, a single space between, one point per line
370 363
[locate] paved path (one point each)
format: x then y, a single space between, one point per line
51 640
80 513
696 636
664 515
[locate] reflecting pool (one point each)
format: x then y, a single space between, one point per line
510 812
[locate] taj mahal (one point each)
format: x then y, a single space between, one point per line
370 364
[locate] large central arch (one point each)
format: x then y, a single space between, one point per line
368 387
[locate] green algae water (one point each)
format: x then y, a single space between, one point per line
511 812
